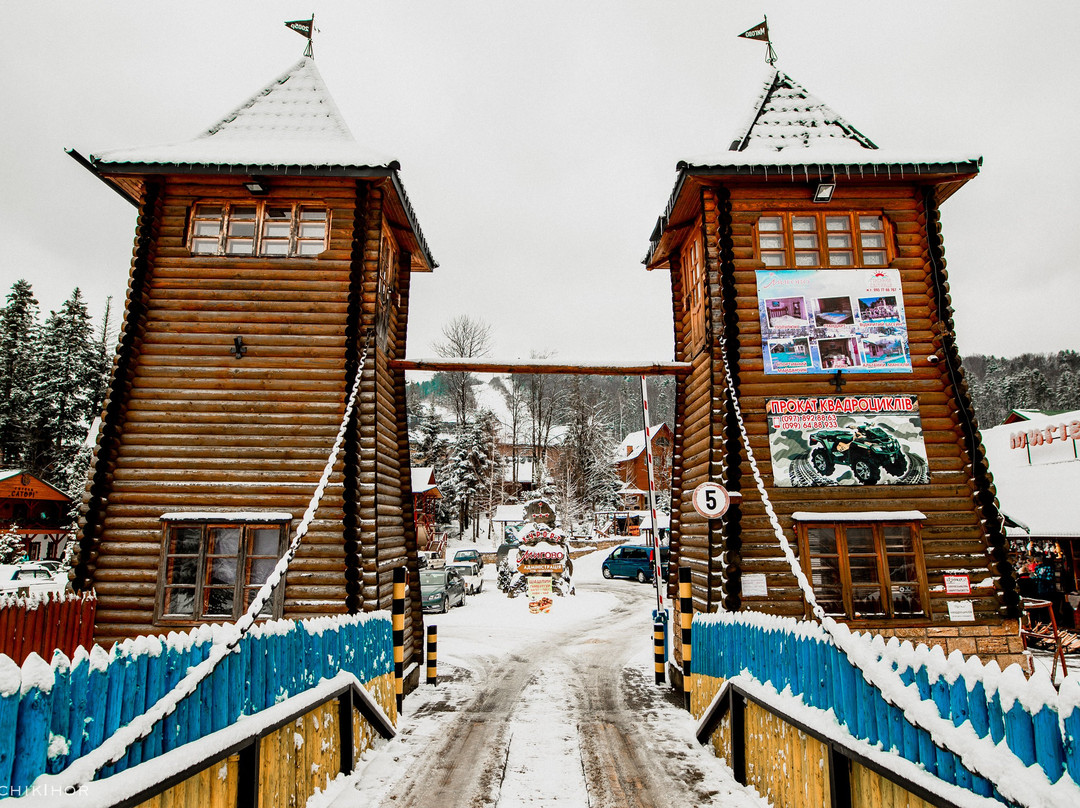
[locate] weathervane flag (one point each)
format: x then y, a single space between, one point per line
305 28
759 32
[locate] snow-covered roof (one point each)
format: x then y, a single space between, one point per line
423 480
1036 484
792 134
785 115
509 513
634 443
292 121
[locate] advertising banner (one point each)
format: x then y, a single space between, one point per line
846 440
820 320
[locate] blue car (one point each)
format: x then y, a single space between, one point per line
634 561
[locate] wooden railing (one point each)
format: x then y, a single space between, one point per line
52 714
983 708
42 623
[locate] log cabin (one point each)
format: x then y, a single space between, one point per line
808 276
272 258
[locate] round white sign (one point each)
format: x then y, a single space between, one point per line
711 500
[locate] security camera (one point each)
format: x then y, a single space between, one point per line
933 359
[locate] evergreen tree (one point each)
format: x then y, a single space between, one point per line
12 546
66 393
18 361
471 456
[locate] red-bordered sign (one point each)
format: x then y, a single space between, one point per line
712 500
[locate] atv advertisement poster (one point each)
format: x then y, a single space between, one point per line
816 321
846 440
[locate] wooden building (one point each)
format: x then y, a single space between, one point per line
37 511
631 465
271 252
807 265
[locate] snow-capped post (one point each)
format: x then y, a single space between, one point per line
398 625
686 619
657 569
433 655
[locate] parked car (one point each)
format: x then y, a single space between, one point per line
431 559
441 589
471 573
634 561
20 579
866 450
470 555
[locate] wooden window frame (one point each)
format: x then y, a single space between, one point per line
692 268
197 617
855 230
296 239
885 583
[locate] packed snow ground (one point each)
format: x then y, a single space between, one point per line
544 709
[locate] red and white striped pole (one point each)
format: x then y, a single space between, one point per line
652 500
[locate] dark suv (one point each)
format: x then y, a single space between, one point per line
865 449
634 561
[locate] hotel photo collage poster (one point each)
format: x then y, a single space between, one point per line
821 320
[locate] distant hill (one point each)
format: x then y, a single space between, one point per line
1047 382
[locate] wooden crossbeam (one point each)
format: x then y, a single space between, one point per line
544 366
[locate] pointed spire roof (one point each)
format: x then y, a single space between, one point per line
786 115
292 121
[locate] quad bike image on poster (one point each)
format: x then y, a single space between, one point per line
846 440
539 566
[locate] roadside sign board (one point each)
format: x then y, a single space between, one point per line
711 500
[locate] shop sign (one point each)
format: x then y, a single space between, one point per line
540 558
846 440
540 599
957 585
817 321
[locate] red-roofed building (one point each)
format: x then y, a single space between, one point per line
38 511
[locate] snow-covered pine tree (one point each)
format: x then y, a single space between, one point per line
12 546
66 390
18 360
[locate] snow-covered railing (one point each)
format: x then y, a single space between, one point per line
43 622
995 733
53 714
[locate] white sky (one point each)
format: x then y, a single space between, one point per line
538 141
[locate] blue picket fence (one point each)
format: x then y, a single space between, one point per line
52 714
1038 724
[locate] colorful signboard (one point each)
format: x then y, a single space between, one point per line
846 440
820 320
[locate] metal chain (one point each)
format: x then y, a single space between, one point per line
84 769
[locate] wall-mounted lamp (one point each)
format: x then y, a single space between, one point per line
824 191
258 186
239 348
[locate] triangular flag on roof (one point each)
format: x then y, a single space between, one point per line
759 32
302 27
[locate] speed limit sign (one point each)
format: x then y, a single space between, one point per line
711 500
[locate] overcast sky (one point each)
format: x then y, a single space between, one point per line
538 141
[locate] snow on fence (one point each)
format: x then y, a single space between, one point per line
52 714
44 622
1023 720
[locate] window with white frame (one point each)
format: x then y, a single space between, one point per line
267 229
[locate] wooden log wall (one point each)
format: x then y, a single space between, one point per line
189 427
959 497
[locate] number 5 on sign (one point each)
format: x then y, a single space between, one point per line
712 500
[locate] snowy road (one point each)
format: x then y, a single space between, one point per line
543 710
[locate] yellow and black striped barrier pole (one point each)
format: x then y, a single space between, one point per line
659 648
686 618
398 623
433 655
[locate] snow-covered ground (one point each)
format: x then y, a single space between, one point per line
544 709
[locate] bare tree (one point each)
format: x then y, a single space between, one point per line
463 338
